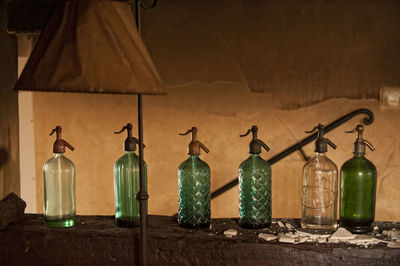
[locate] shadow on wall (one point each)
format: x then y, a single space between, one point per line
3 157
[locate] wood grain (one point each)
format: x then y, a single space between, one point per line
97 241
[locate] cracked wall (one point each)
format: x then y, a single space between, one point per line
221 112
211 56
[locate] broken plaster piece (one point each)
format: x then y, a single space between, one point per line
342 234
333 240
281 224
267 237
287 238
393 244
302 239
312 237
230 233
393 234
289 226
366 240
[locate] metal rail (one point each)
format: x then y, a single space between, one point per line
298 146
142 196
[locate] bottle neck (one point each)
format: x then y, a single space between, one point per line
320 154
57 155
254 155
358 155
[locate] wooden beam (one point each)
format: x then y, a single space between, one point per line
97 241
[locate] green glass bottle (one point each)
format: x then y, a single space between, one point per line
127 183
255 186
320 186
59 186
358 188
194 198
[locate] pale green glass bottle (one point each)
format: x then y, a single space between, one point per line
320 186
358 188
127 183
255 186
194 198
59 186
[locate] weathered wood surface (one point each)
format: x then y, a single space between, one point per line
97 241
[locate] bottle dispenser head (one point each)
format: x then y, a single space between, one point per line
59 144
194 145
360 143
255 144
321 144
130 142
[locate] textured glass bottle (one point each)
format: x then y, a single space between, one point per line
255 186
59 186
194 201
358 188
320 176
127 183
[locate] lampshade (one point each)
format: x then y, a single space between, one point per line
91 46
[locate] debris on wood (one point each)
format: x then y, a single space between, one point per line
393 234
393 244
281 224
287 238
267 237
289 226
230 233
342 234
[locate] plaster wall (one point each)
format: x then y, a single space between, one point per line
221 111
215 59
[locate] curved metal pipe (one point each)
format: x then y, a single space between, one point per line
367 121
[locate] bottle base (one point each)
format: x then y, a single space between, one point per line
60 223
319 226
317 222
357 228
127 223
194 225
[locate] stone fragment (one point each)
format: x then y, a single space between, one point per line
393 244
12 210
333 240
364 240
267 237
230 233
302 239
342 234
311 237
286 238
289 226
393 234
281 224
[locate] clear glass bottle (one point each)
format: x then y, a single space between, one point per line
358 188
320 186
127 183
59 186
194 197
255 186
